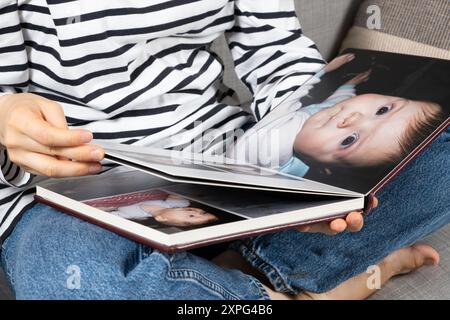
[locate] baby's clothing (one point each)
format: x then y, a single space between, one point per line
135 211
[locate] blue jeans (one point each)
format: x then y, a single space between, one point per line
52 255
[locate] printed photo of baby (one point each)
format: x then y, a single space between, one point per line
363 132
156 206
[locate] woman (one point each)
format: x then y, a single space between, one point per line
140 72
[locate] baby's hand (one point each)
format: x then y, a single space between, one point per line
354 222
339 62
360 78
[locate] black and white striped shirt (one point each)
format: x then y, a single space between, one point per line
141 71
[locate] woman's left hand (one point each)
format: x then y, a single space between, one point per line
354 222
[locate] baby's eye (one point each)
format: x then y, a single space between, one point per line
383 110
349 141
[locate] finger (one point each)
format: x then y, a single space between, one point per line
367 74
375 202
349 57
53 113
84 153
363 76
355 221
338 226
51 167
304 229
87 153
323 227
44 133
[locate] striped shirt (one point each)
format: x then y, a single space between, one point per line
142 72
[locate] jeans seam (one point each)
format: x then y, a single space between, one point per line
177 274
262 291
266 268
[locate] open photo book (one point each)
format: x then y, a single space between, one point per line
321 152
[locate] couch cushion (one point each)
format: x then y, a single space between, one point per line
417 27
326 22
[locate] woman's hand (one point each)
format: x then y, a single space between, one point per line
354 222
35 133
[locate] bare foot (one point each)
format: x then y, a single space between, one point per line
409 259
399 262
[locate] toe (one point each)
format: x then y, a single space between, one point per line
426 255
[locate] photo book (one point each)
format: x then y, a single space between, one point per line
321 152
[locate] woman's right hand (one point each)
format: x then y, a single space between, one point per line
35 133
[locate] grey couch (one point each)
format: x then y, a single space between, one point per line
326 22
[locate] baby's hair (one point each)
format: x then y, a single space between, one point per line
420 128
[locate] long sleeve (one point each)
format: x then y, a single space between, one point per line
271 55
13 56
11 174
13 78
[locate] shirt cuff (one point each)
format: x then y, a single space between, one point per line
10 173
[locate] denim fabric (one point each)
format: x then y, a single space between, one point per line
51 255
412 206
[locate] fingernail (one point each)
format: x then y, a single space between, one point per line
86 136
95 168
96 155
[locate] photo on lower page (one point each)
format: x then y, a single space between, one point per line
360 117
164 211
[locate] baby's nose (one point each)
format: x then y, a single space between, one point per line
350 120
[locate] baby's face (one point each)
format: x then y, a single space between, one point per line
362 130
184 217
